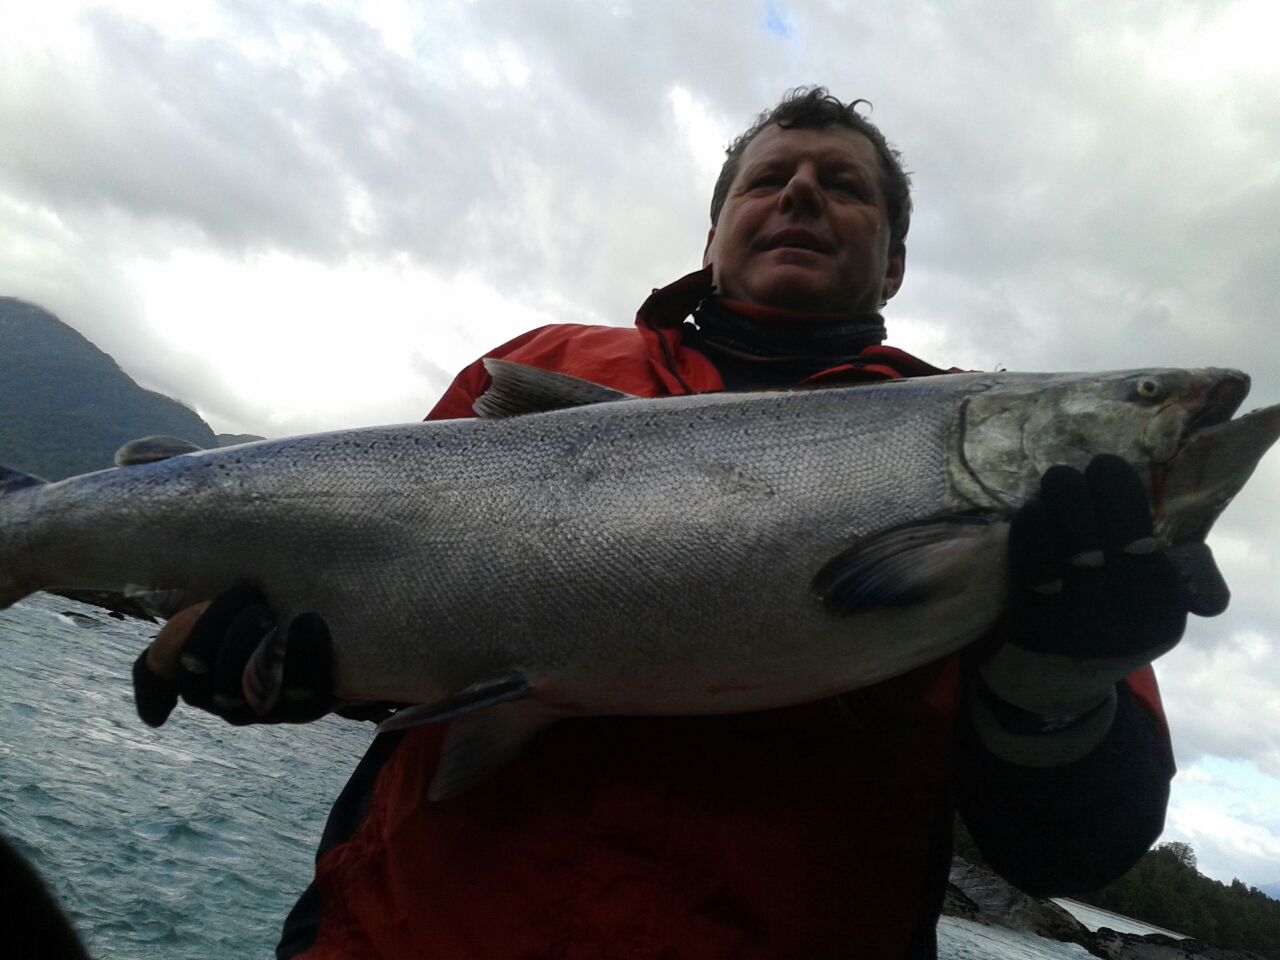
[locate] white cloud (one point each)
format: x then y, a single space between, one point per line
503 65
398 23
1229 811
1221 700
705 138
1209 47
364 328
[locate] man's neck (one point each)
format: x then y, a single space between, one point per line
767 335
757 347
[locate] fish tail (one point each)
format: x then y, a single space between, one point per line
15 582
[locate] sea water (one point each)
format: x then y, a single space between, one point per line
191 841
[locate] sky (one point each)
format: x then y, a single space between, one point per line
302 216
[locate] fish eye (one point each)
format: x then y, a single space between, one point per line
1148 388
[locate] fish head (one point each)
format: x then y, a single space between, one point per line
1173 426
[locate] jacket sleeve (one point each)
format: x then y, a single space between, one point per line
1053 831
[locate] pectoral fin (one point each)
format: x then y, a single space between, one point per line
908 565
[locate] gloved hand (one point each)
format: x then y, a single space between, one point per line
1092 600
201 654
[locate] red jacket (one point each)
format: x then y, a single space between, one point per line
816 831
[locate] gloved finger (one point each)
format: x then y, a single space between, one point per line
1148 611
154 696
1121 506
247 629
200 653
167 645
1066 494
307 691
1204 589
155 685
1035 557
1086 618
1035 576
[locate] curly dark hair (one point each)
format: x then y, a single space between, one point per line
812 108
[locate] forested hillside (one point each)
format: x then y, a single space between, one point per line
1167 890
65 406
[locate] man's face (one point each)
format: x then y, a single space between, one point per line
804 225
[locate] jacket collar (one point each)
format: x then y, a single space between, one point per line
683 370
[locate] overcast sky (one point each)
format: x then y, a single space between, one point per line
296 217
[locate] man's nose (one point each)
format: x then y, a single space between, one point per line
803 192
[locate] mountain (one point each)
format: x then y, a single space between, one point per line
66 407
1272 890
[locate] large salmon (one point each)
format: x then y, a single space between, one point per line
704 554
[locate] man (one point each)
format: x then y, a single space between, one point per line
821 830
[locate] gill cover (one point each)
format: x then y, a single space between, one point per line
1023 424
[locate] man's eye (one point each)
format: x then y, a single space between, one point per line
850 187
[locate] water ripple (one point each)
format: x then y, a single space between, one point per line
192 841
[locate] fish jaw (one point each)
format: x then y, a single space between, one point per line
1215 461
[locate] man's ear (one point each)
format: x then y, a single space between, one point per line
706 252
894 271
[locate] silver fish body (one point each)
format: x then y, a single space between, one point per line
705 554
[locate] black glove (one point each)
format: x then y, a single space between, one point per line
1092 600
211 665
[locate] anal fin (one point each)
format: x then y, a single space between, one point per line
479 696
479 745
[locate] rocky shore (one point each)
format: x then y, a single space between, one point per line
978 894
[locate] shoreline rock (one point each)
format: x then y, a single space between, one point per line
1112 945
975 893
1001 904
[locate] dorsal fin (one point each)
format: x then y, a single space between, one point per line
152 449
11 480
518 389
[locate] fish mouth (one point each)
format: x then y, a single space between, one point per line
1216 455
1219 406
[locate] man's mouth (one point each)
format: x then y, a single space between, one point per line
795 238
